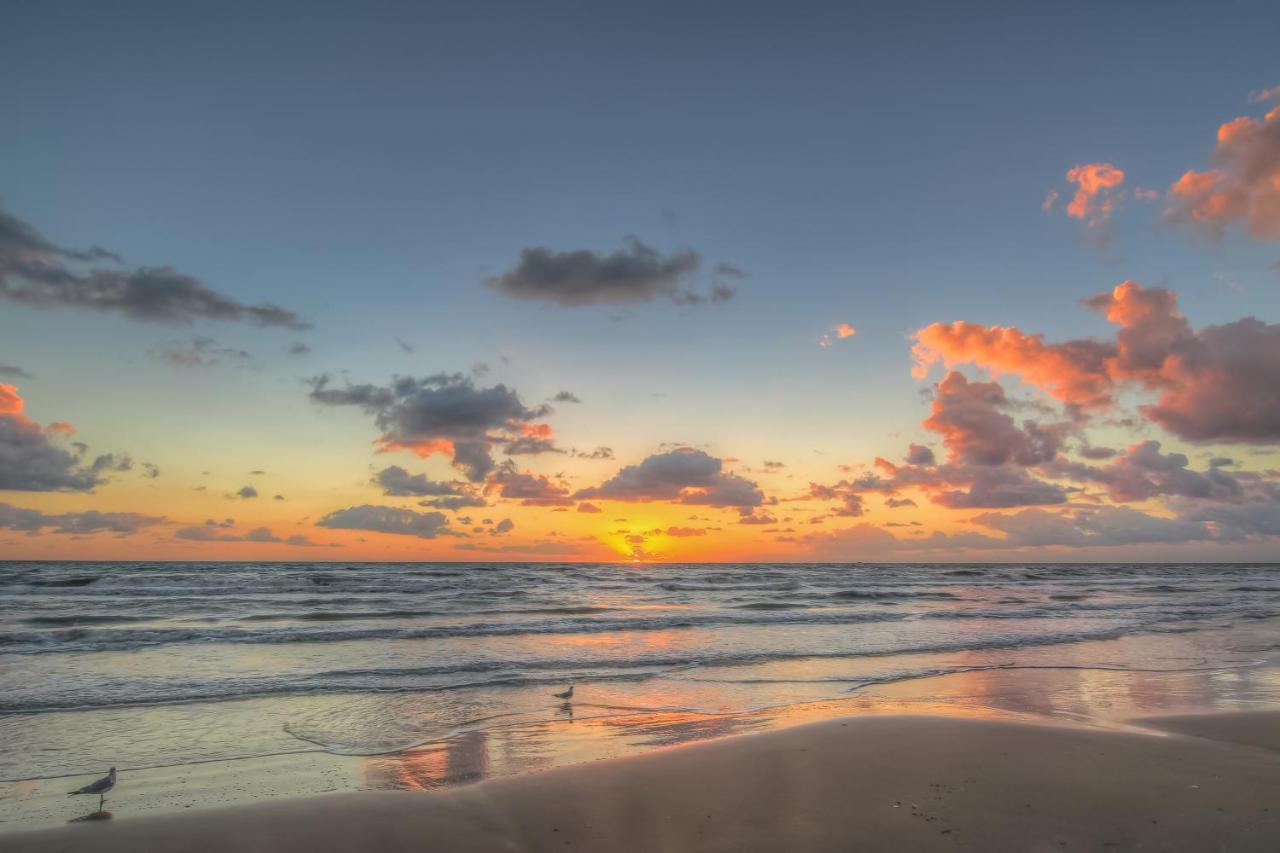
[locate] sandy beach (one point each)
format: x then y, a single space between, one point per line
878 783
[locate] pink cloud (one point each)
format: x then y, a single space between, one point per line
1095 194
1213 384
1242 186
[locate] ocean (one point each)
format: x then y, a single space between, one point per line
146 665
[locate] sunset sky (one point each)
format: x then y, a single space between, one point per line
667 282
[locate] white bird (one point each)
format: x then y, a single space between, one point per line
568 694
106 783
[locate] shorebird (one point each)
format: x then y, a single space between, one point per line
106 783
568 694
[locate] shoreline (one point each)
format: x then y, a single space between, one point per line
528 748
875 782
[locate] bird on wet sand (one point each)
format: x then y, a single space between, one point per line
568 694
106 783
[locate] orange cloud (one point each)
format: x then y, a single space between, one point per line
422 447
1072 372
10 401
1213 382
842 331
1094 199
1244 184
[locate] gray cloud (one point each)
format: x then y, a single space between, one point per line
36 272
1001 488
1144 472
8 371
443 413
453 504
82 523
1108 525
529 489
388 519
1237 521
215 531
247 493
918 454
684 476
550 546
634 273
200 351
565 397
30 461
397 482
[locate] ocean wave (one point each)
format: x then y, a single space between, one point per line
502 674
880 595
88 639
785 586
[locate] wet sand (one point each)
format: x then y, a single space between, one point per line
877 783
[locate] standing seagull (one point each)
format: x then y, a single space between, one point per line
106 783
568 694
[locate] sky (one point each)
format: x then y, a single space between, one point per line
689 282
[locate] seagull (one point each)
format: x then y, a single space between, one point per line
568 694
106 783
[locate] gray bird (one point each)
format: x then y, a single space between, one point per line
568 694
106 783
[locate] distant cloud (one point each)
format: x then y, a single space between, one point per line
81 523
247 493
918 454
397 482
150 471
221 531
200 351
1105 526
589 508
388 519
531 440
565 397
1144 472
634 273
8 371
683 475
36 272
443 413
1095 194
530 489
1259 96
685 532
298 348
839 333
455 503
545 547
1242 186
